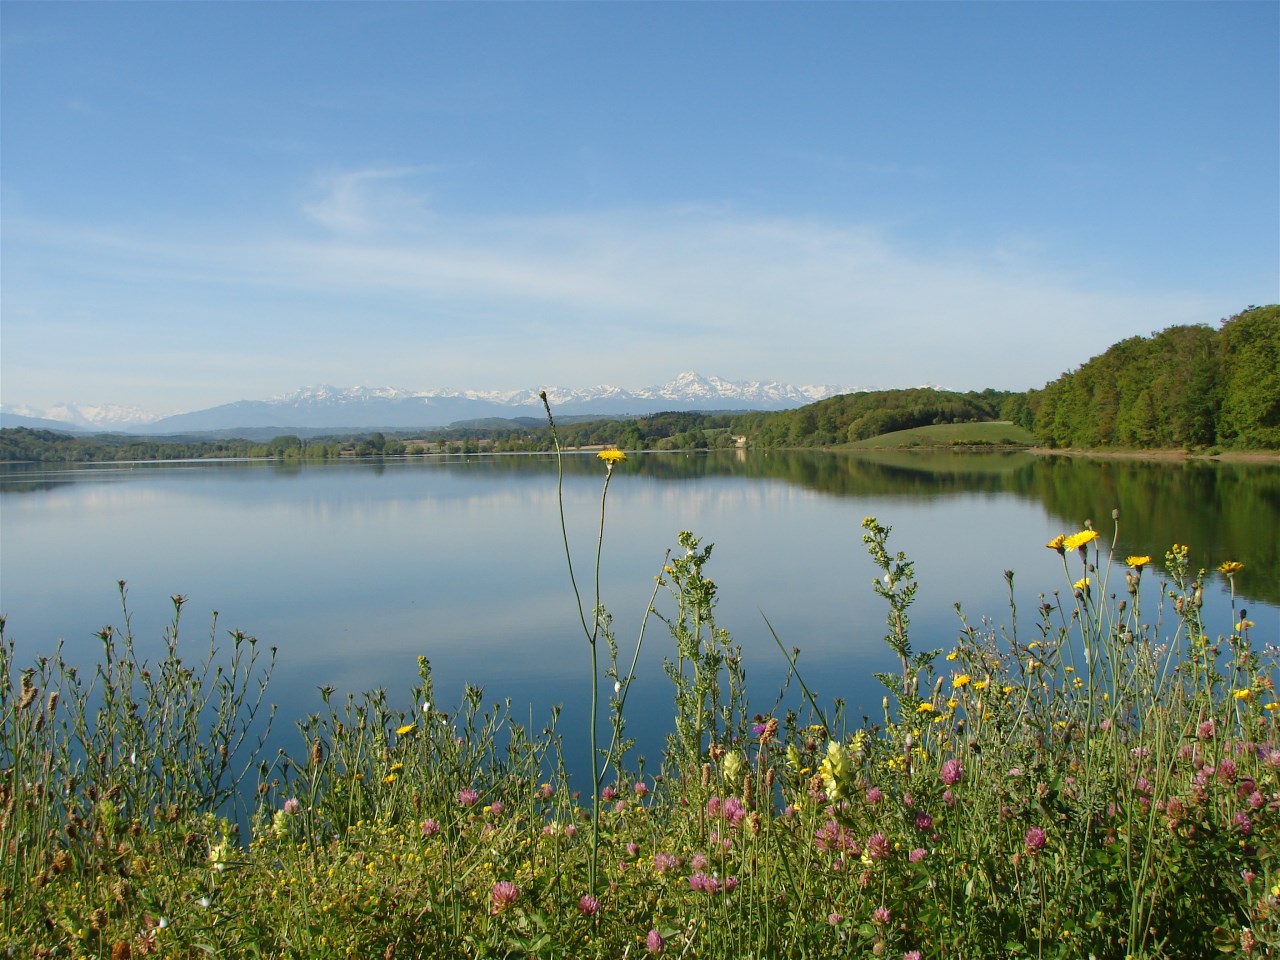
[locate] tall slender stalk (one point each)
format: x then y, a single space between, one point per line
592 633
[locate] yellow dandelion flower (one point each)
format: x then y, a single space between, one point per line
1081 584
981 684
1058 543
1272 706
953 655
1137 562
925 708
960 681
611 456
407 728
1231 567
1079 540
397 767
953 703
1244 694
389 778
1242 625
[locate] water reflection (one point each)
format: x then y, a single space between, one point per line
354 569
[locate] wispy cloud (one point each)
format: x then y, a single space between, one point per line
632 294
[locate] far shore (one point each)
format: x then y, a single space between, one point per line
1232 455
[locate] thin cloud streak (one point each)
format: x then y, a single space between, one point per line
659 290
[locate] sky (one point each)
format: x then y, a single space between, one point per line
208 202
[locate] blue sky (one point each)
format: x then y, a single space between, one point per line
204 202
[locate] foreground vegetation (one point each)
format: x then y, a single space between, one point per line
1100 778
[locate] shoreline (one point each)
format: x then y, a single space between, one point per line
1263 456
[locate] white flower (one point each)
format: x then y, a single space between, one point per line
426 707
617 687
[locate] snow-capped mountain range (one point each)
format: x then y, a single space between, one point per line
351 408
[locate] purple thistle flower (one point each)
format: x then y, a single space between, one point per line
504 894
877 846
700 881
662 862
1035 840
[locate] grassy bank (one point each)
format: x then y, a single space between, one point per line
1099 777
978 435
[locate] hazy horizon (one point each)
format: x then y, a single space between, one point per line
204 203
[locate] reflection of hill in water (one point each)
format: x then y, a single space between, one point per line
1224 510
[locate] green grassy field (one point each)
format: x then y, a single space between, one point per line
995 433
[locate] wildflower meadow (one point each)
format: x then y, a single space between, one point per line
1098 777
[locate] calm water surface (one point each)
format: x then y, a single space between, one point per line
355 569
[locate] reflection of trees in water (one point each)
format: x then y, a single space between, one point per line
1223 510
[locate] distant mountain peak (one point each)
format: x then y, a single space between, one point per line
322 406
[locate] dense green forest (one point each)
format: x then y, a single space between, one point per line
1188 387
858 416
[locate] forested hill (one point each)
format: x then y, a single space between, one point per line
858 416
1184 387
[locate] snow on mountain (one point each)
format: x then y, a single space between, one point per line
360 407
91 416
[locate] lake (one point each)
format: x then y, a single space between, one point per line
354 569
